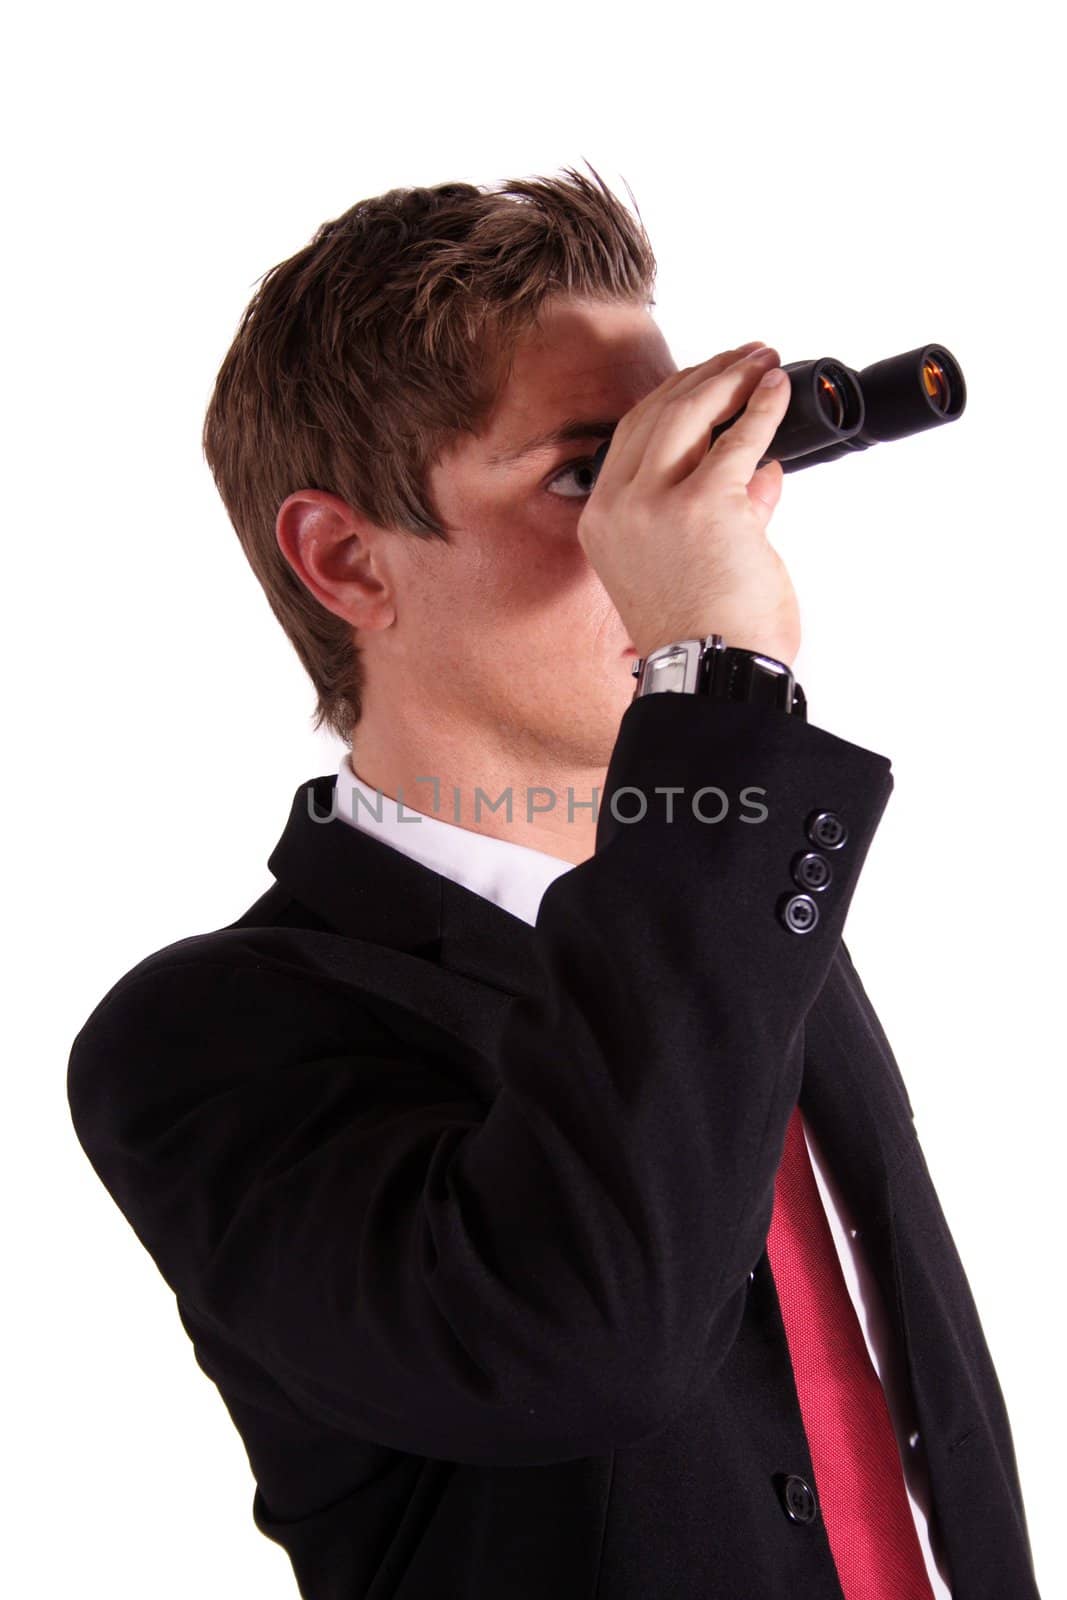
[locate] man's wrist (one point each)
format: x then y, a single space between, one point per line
762 642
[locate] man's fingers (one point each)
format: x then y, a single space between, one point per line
736 454
678 443
627 445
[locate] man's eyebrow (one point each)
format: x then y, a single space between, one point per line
569 432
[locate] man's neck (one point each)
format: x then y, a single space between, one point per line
537 800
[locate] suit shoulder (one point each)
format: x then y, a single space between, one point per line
220 1006
240 946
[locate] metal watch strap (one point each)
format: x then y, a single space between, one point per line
710 667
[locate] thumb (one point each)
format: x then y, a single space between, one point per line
765 490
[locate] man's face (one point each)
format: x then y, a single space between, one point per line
506 631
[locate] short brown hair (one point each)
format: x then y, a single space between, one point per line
363 356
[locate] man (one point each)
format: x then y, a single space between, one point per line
534 1178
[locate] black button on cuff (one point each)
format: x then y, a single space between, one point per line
827 830
798 913
811 871
798 1497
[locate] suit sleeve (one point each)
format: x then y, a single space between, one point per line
539 1280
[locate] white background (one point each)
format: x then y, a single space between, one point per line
833 179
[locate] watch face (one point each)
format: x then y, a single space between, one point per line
672 669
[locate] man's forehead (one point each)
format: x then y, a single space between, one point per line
579 402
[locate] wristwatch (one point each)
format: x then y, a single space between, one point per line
720 671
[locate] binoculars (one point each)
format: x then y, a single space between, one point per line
835 410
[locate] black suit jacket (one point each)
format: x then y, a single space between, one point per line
467 1219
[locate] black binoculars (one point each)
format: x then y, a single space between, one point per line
835 410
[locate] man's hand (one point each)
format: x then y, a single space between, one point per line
677 532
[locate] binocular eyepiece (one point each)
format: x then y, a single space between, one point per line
835 410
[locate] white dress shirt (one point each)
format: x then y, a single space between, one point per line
515 877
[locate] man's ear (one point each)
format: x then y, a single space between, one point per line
337 554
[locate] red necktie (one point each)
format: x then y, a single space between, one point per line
858 1474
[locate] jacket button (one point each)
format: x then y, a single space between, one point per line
799 1499
825 828
799 913
812 871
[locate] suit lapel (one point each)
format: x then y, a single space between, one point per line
448 959
369 890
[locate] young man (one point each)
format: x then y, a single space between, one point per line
533 1175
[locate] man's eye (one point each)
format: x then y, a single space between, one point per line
587 466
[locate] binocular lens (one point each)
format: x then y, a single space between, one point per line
838 396
833 401
936 384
